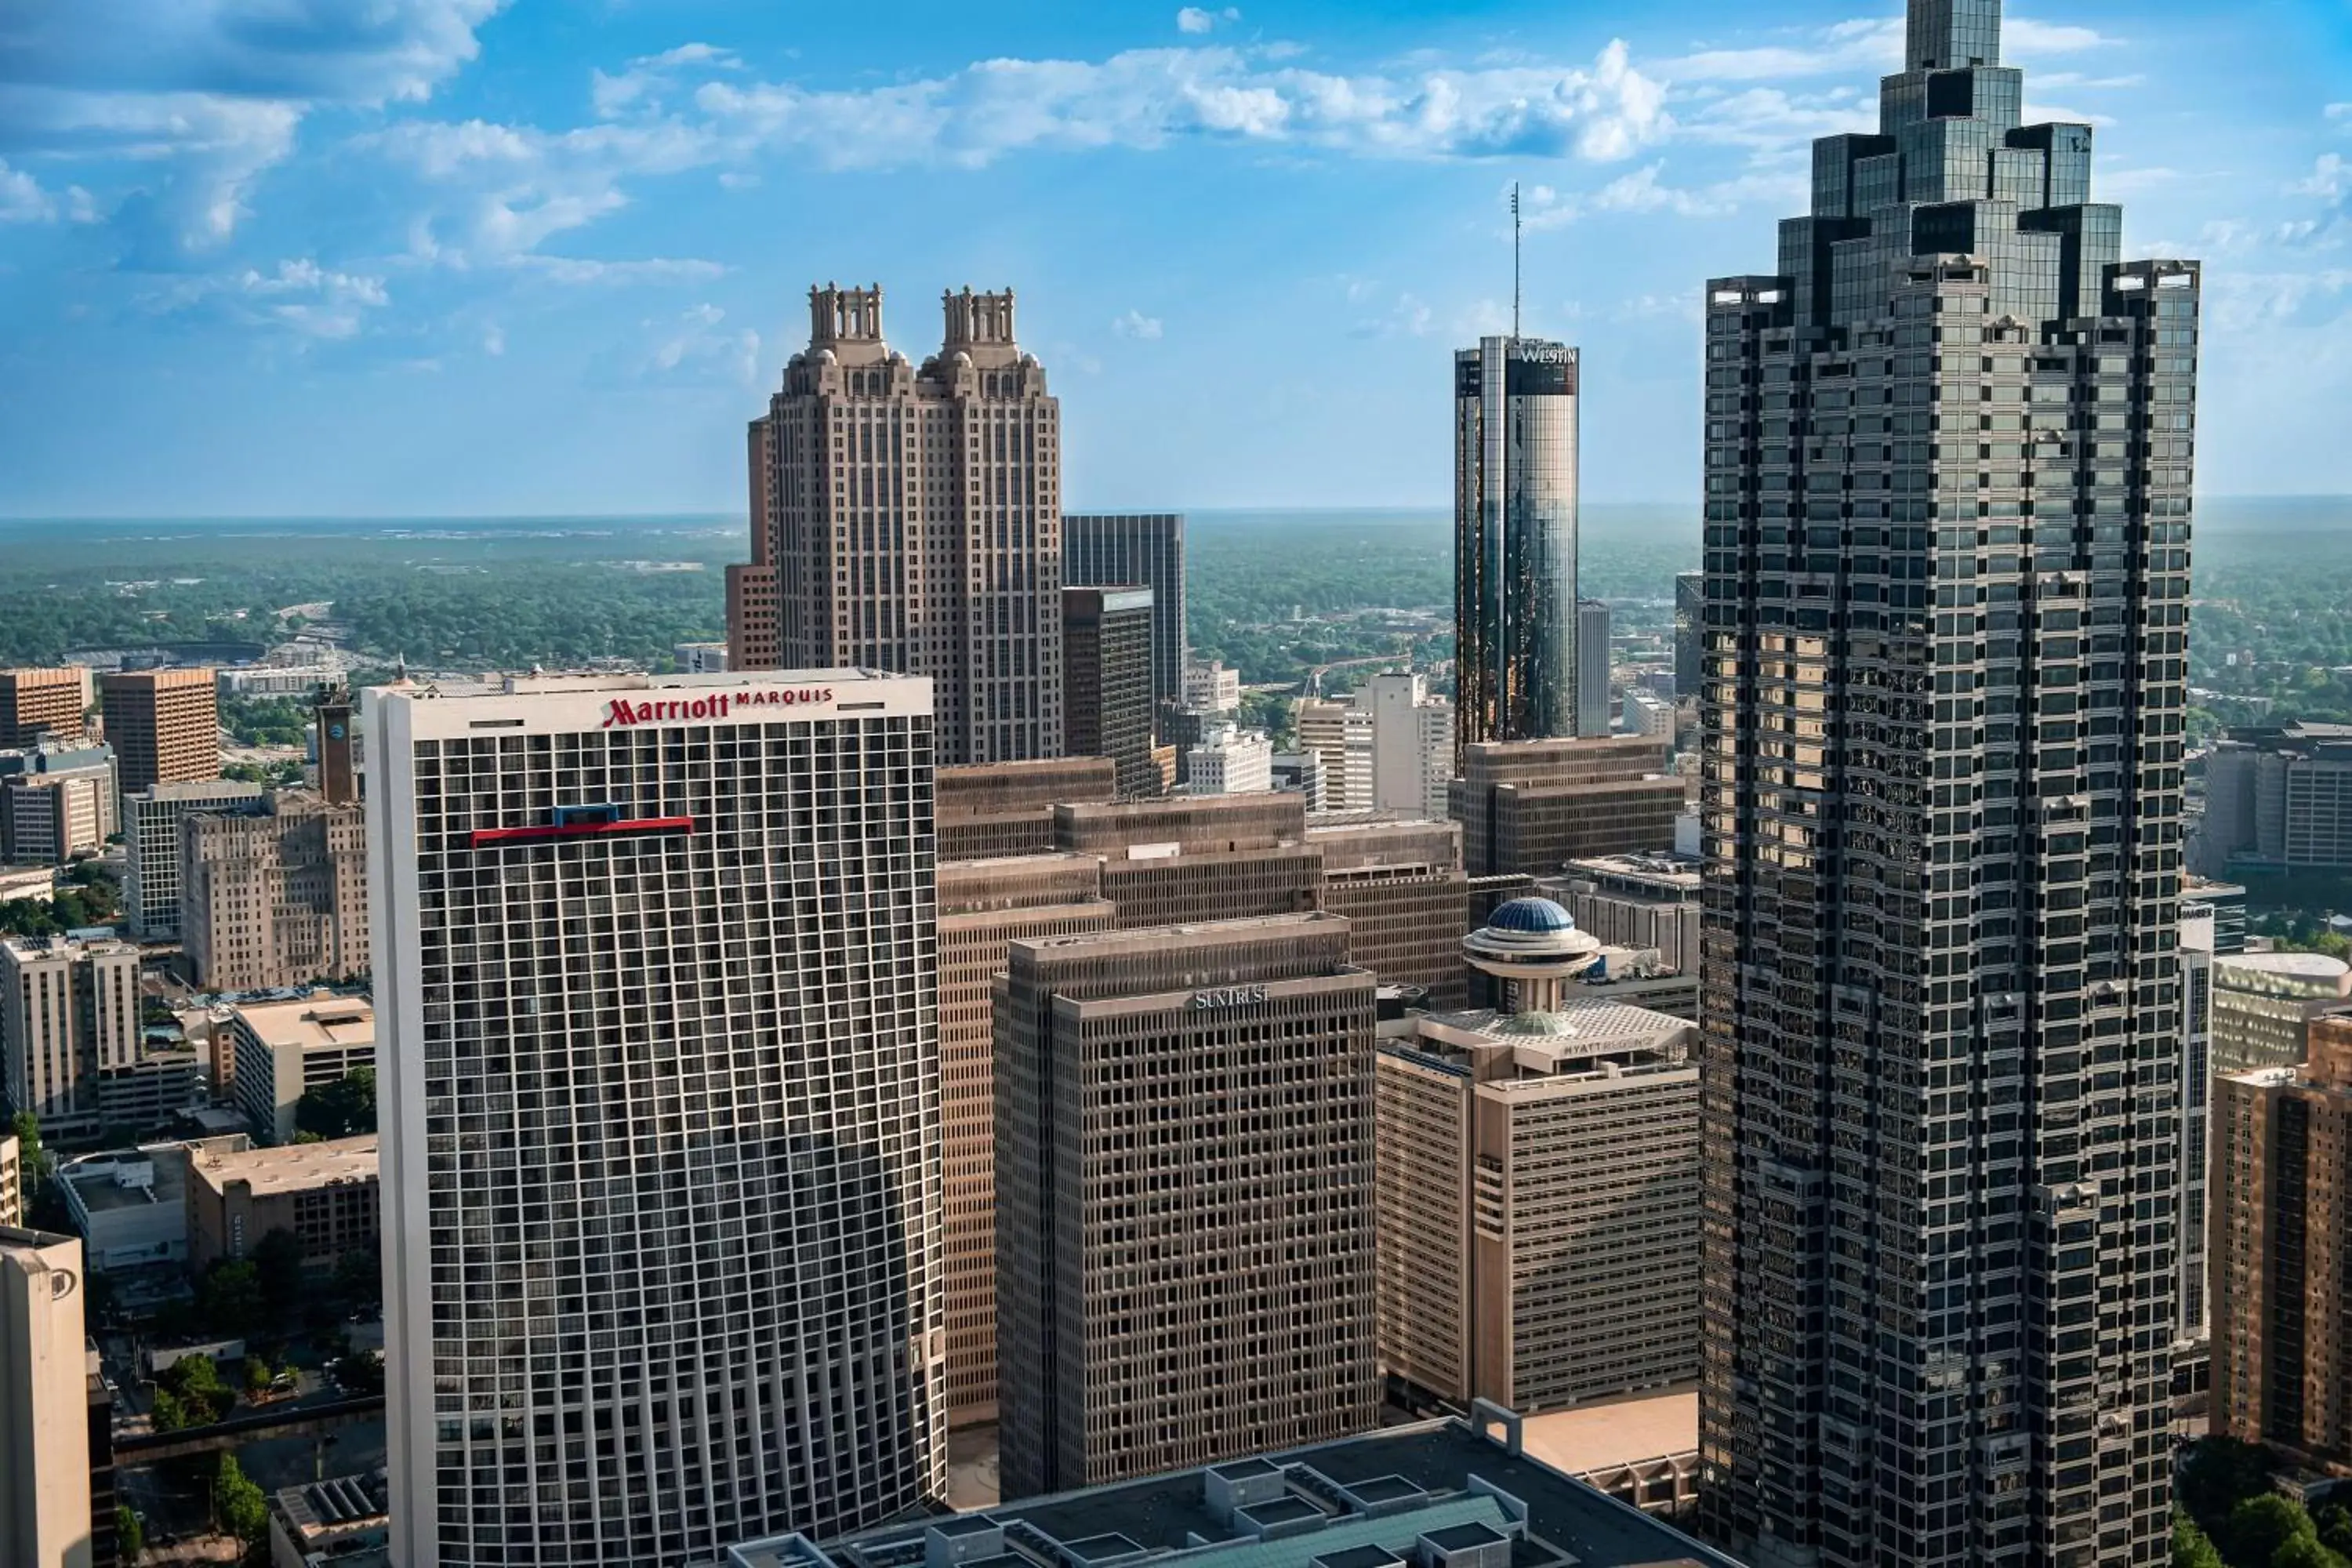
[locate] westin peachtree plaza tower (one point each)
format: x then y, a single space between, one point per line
1947 496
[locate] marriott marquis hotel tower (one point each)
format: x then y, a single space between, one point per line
1946 546
661 1117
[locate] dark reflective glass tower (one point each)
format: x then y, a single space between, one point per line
1949 448
1515 540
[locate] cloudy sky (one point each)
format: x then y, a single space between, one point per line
402 256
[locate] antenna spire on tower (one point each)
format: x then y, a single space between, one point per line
1515 258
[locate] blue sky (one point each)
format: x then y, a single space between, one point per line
460 256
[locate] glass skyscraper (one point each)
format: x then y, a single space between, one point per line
1949 448
1515 540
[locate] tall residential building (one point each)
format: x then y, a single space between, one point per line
1184 1198
1102 548
1213 688
68 1016
1690 629
1529 807
56 802
1231 761
910 519
34 703
1338 731
1593 704
1538 1170
1947 532
277 896
151 834
2278 798
45 1397
1106 706
985 906
2281 1253
1514 402
656 979
1411 745
2263 1002
163 724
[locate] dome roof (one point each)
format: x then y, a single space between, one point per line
1530 915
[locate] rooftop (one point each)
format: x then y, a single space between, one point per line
293 1168
312 1023
1616 1432
129 1178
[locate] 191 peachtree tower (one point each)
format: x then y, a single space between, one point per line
1948 499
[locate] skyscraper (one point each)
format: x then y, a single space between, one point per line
1515 540
163 724
908 518
1690 629
1106 549
1107 704
46 1471
1946 529
38 702
1592 703
151 832
658 1037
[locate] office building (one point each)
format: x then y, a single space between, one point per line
45 1430
2193 1162
130 1206
2264 1002
1515 498
2282 1229
1213 688
345 1521
2225 902
276 896
909 519
1538 1173
1593 668
1184 1198
1197 857
1411 736
1400 886
1338 731
2278 798
673 938
1007 808
38 704
1300 772
1690 626
1231 761
985 906
1106 705
56 804
1940 781
1640 902
163 724
1644 713
700 657
1435 1494
150 837
1528 808
69 1012
1101 549
279 1051
324 1194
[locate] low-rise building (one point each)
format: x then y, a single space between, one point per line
700 657
12 1180
130 1206
324 1195
2264 1002
282 1050
35 882
1531 807
57 801
1638 901
345 1521
1231 760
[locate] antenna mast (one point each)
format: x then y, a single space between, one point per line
1515 260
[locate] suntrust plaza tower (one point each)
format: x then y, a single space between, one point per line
659 1077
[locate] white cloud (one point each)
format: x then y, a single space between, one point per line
697 345
1863 44
298 295
2023 39
1136 325
1645 191
22 200
1193 19
2331 176
2058 114
1407 317
648 269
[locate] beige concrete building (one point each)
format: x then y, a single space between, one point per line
42 703
985 906
912 516
68 1013
163 724
45 1433
1401 889
1339 733
12 1180
277 897
2281 1254
2262 1004
281 1050
1531 807
151 841
49 816
1648 901
324 1195
1538 1173
1007 808
1184 1198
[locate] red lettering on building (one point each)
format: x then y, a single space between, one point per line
620 713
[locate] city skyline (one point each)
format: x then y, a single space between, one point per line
569 231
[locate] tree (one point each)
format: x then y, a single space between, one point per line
243 1511
259 1374
166 1414
278 1266
195 1383
129 1535
2218 1474
2304 1551
2334 1523
2190 1546
33 1158
2259 1527
359 1278
361 1372
340 1108
229 1297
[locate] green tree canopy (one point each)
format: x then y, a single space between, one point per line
229 1299
244 1513
2259 1527
343 1109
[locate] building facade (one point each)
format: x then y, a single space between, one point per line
282 1050
1106 701
1184 1214
68 1015
1593 668
322 1195
656 973
57 805
1400 886
2263 1001
1338 731
45 1430
1690 629
151 841
1636 902
1231 761
1530 807
1411 739
1947 510
35 704
163 724
275 897
1515 504
12 1180
1109 549
911 521
2281 1253
2278 798
2194 1165
1008 808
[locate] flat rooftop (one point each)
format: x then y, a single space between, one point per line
312 1023
126 1179
1626 1431
293 1168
